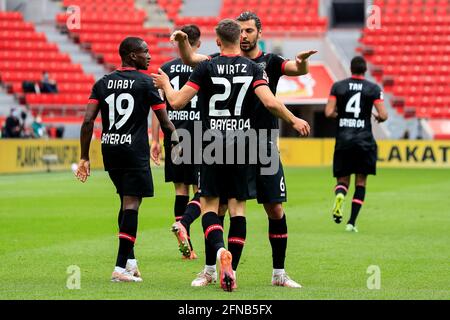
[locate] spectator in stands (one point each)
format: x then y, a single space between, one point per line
48 85
38 128
13 127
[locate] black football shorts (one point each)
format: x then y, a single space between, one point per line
180 173
138 183
271 188
355 160
228 181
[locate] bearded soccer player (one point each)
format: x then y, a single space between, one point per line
271 189
351 102
227 85
182 175
124 98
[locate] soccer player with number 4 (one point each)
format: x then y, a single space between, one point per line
124 98
350 102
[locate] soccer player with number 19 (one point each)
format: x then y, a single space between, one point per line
124 98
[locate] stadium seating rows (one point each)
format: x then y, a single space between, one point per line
278 16
103 29
410 54
25 54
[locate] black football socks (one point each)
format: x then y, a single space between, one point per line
127 236
236 238
357 202
278 240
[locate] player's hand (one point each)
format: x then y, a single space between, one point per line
304 55
176 152
178 36
155 152
377 118
83 171
160 79
302 127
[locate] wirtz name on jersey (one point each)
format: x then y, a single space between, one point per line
231 68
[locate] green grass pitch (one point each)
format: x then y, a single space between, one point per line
51 221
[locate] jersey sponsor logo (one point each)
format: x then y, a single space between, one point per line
180 68
351 123
263 65
183 115
115 138
229 124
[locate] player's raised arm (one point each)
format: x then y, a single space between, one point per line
277 108
187 54
177 99
300 66
87 128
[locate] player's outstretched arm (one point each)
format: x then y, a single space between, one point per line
177 99
330 109
277 108
87 128
300 66
155 149
381 109
187 55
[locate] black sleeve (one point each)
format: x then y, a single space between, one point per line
198 76
95 96
153 97
259 77
378 94
333 91
277 64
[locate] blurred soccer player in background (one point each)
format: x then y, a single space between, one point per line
350 102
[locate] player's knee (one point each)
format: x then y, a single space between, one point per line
274 210
181 189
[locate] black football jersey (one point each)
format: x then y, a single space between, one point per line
125 97
355 97
273 65
182 119
226 92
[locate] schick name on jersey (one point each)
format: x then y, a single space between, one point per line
231 68
120 84
355 86
180 68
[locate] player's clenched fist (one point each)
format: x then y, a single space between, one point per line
160 79
302 127
178 36
83 170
